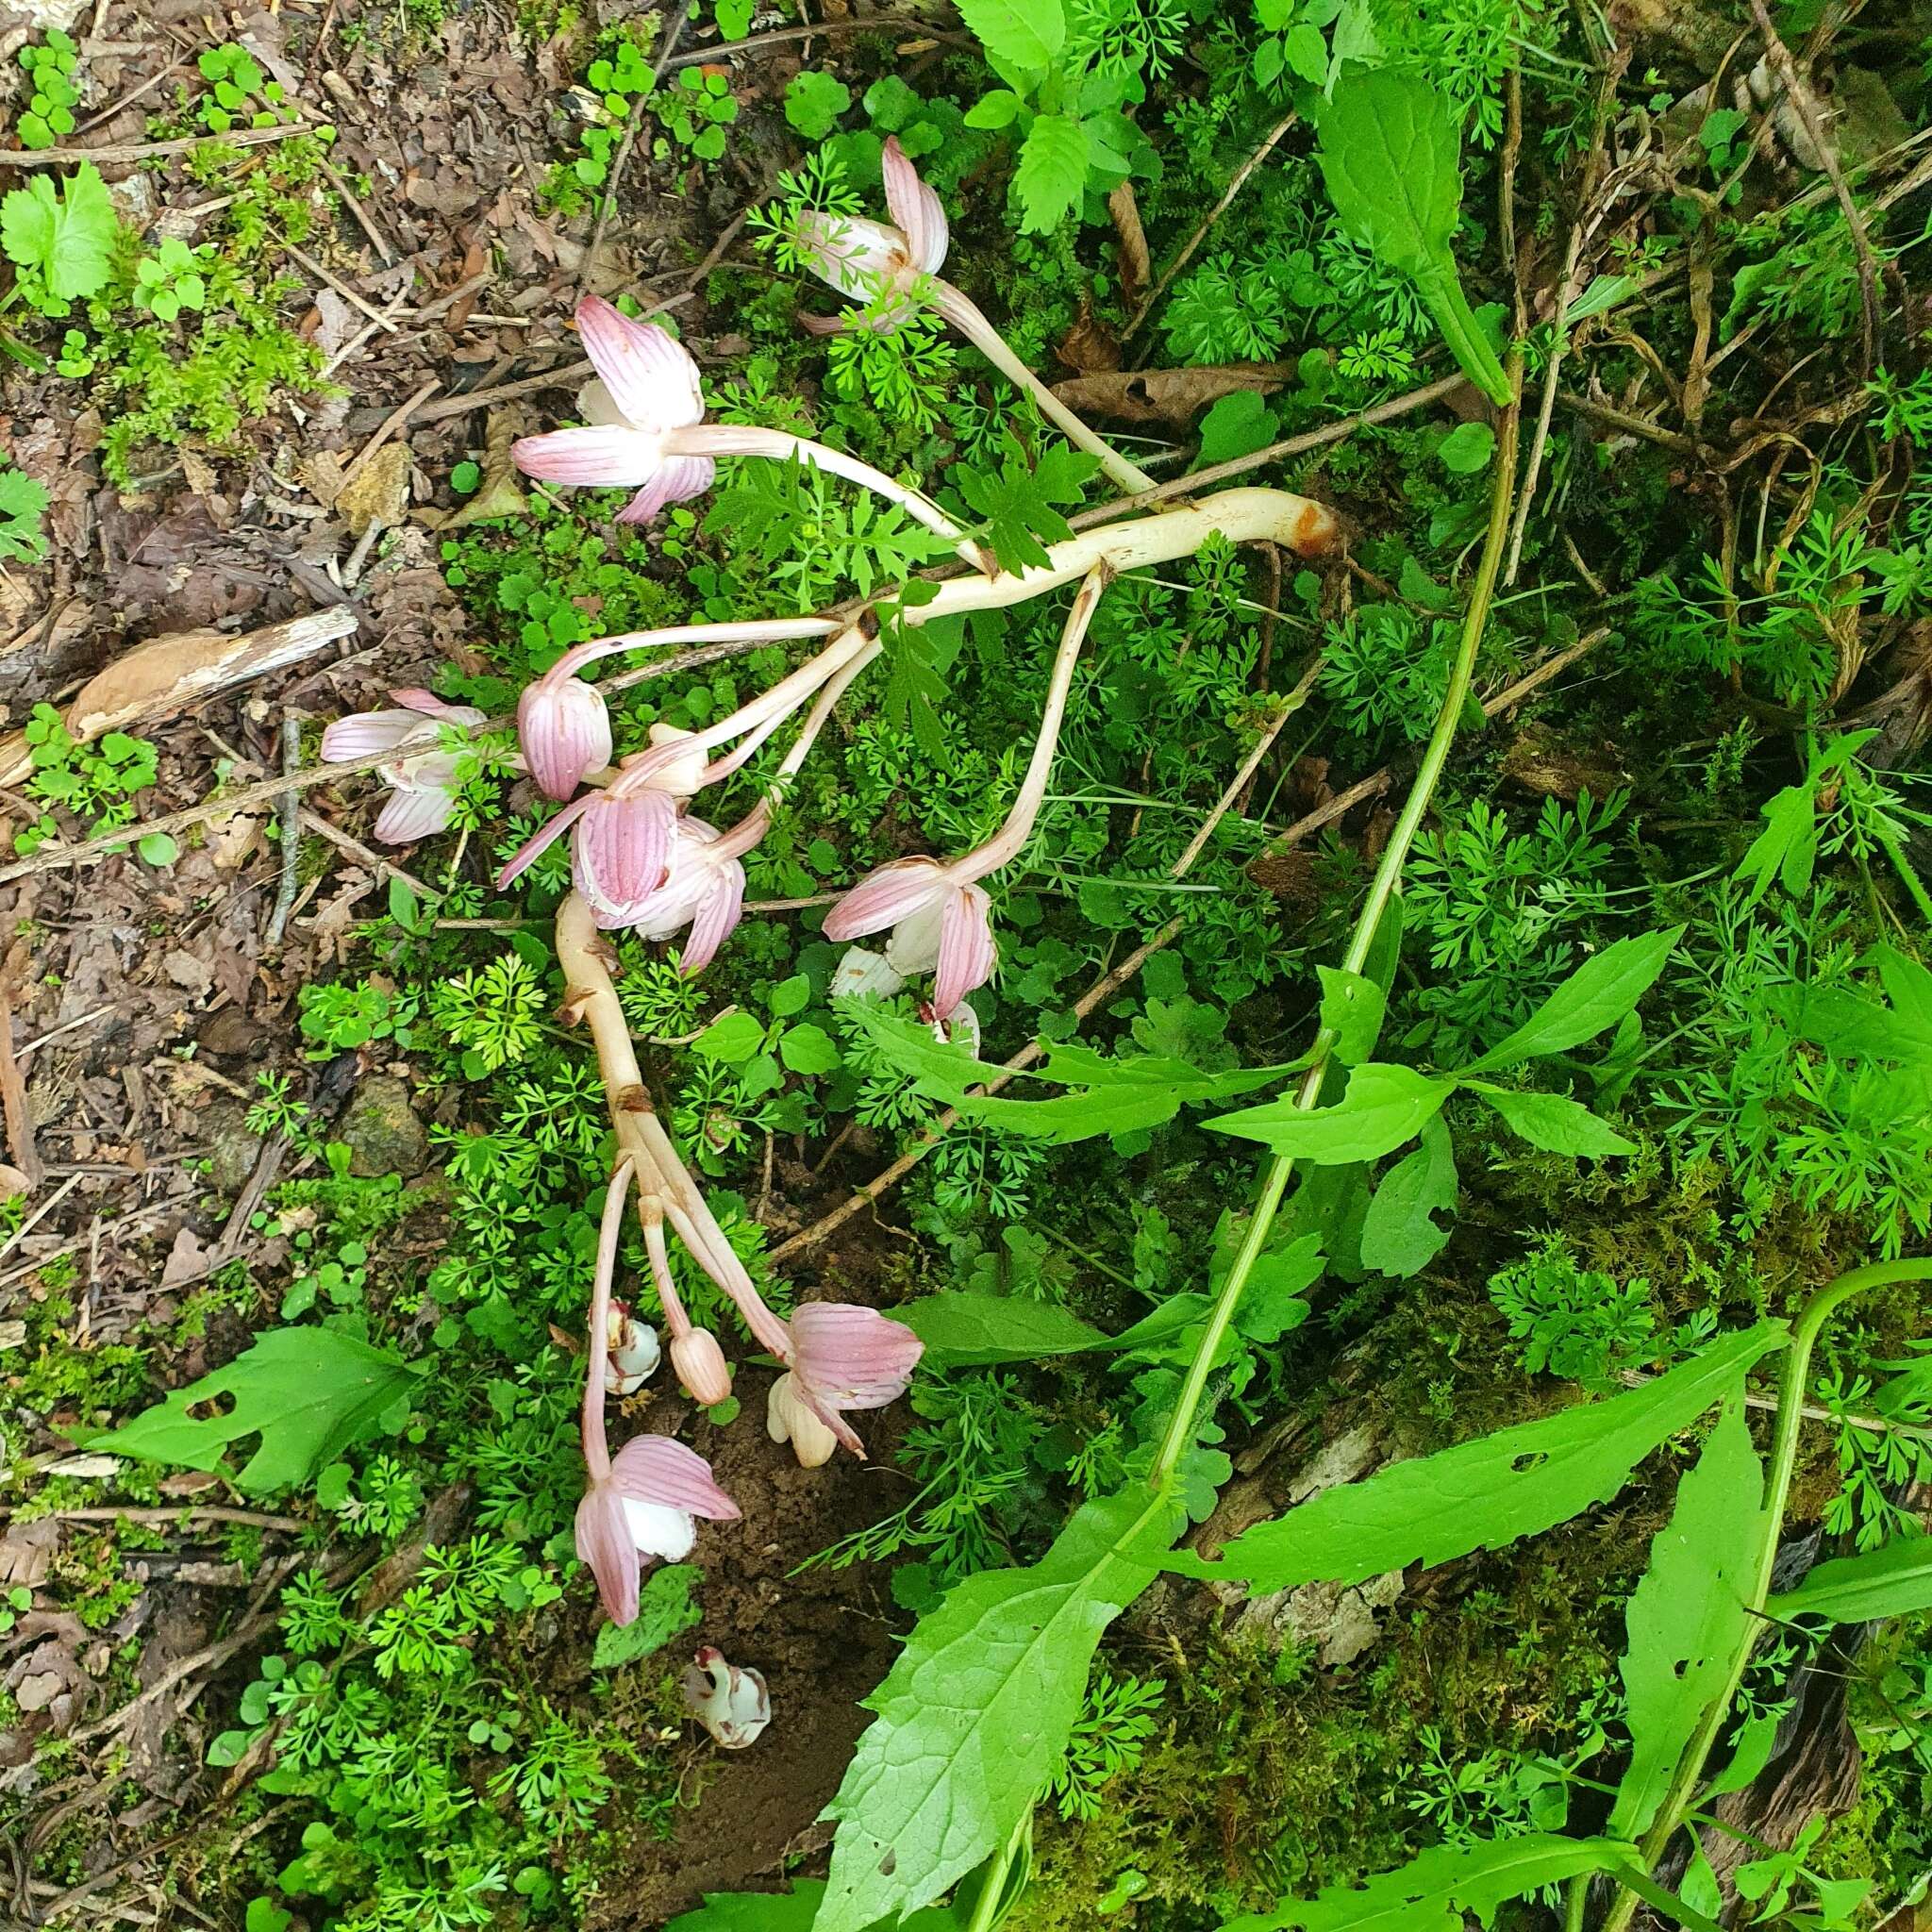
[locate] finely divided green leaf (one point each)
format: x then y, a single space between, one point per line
1434 1889
1892 1582
1592 1000
963 1330
1486 1493
1385 1104
1554 1123
977 1710
308 1392
1688 1614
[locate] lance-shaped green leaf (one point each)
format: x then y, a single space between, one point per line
1895 1581
1592 999
963 1330
976 1712
1553 1122
1688 1614
1024 36
310 1392
1486 1493
1136 1091
1384 1105
1399 1236
1434 1889
1392 157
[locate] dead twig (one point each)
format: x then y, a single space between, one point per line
292 834
363 218
1800 96
19 1125
784 36
389 426
1240 180
202 1512
115 153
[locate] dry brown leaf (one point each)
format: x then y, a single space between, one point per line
378 492
499 495
1090 348
1174 396
321 471
1136 268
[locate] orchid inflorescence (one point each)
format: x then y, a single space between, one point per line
641 859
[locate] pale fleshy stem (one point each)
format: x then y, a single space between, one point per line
775 630
596 1445
752 826
1004 846
665 1190
675 1317
745 439
972 322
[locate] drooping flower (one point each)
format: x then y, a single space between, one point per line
662 446
633 1355
704 889
422 777
885 266
941 923
620 849
641 1502
870 261
564 729
841 1357
729 1700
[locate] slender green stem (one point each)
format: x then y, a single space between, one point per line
992 1892
1792 1381
1382 888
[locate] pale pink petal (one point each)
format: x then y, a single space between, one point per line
967 952
564 729
715 918
852 1358
542 838
605 1544
854 255
679 477
915 207
823 324
432 705
655 1468
603 458
413 812
363 734
619 852
883 898
648 374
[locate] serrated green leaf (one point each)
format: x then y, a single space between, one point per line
1434 1889
1052 173
1488 1492
1553 1122
1688 1614
1022 34
1592 1000
66 235
1399 1234
1390 157
665 1609
1384 1105
813 103
310 1392
731 1037
1895 1581
809 1049
977 1710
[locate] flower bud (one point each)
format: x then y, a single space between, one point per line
730 1702
789 1418
634 1356
565 731
701 1366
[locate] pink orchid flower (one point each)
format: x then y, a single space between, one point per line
640 1502
422 777
840 1357
941 919
662 446
729 1700
564 729
870 261
888 267
704 890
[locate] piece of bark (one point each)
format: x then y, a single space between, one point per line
166 676
1136 266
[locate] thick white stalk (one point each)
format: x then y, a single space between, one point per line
973 322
